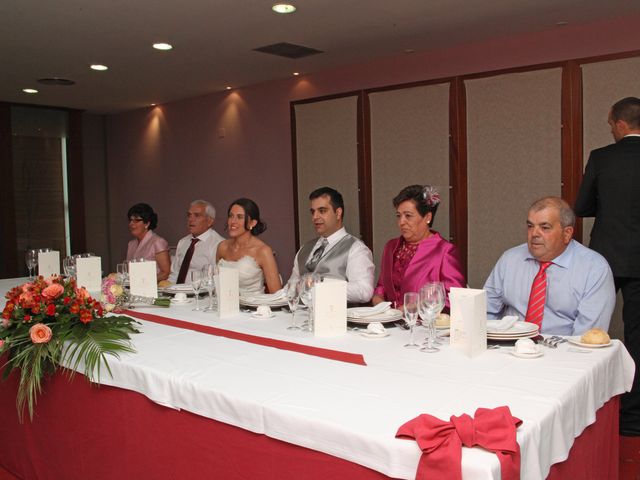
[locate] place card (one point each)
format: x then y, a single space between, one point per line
330 308
228 290
48 263
89 273
468 320
143 280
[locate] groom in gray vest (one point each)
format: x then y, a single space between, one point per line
335 253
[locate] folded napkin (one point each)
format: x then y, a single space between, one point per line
264 298
441 442
502 325
362 312
179 287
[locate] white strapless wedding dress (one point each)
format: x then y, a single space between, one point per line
250 273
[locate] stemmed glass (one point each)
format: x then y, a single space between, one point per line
31 258
307 282
431 304
209 274
123 271
195 279
411 301
293 299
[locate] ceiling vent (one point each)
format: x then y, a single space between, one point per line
56 81
288 50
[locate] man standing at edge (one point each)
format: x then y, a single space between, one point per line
199 247
610 192
335 253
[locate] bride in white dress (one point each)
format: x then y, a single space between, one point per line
252 257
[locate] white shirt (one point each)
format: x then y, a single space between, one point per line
360 267
204 253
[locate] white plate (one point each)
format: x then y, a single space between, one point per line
374 335
390 315
180 287
176 303
255 315
576 341
538 354
443 327
275 303
501 338
518 328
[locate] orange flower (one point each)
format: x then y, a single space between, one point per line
85 316
53 291
40 333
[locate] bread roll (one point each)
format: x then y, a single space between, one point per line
443 320
164 283
595 336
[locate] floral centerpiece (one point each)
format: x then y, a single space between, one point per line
52 323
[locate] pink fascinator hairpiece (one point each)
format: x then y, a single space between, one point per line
431 195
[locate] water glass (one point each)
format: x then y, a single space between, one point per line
31 259
209 275
123 271
293 299
432 298
195 279
307 282
410 306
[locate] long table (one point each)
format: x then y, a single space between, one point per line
348 411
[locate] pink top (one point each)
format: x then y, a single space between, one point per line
148 248
434 260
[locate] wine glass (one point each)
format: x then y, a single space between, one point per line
293 299
410 306
123 271
195 279
31 258
209 274
307 282
431 303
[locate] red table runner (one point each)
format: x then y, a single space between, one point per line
337 355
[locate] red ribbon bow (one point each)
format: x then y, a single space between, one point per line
441 442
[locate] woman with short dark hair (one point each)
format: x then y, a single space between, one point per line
146 243
420 255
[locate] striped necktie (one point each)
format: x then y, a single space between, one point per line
538 295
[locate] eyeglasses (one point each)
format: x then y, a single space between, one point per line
135 220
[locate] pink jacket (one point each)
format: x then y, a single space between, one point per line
436 260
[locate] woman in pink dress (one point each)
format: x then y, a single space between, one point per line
420 255
146 244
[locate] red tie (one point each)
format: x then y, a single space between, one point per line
186 261
535 309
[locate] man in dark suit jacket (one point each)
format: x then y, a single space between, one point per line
610 191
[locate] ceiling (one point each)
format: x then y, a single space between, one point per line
214 41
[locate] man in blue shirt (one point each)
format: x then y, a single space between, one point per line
580 293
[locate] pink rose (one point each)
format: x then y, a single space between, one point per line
26 287
53 291
1 344
40 333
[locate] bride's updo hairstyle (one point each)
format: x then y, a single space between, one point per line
251 212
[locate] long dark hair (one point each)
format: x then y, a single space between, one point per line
251 212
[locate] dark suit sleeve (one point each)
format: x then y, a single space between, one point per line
587 200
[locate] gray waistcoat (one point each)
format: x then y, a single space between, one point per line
333 263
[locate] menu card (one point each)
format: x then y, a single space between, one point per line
48 263
468 320
330 307
143 279
89 273
228 290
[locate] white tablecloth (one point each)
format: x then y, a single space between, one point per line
354 411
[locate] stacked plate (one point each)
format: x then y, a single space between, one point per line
257 299
360 316
518 330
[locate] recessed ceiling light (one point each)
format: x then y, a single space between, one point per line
227 87
100 68
562 23
152 104
29 90
283 8
409 50
295 74
162 46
